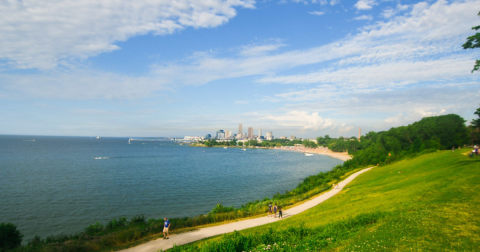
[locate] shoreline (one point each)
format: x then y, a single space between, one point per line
344 156
320 151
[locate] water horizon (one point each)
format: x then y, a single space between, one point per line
59 185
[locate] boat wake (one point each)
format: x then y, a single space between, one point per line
101 158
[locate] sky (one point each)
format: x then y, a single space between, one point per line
191 67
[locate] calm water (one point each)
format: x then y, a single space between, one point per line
54 185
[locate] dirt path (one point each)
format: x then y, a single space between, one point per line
184 238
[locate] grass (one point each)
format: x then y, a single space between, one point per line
428 203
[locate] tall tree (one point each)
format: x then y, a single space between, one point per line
476 122
472 43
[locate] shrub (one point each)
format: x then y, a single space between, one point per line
10 237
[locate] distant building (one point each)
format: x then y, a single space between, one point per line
260 132
192 138
228 134
292 137
220 134
208 136
250 133
269 136
283 137
359 133
240 130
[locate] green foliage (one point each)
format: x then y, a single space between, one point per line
219 208
309 144
476 122
10 237
295 238
437 133
472 43
428 203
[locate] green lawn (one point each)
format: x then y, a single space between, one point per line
429 203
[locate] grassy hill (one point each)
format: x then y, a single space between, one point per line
431 202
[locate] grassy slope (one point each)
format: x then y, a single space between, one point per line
431 202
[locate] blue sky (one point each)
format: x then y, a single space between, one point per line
174 68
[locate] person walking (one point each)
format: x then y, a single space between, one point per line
166 226
280 213
269 209
275 211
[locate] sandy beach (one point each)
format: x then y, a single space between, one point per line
320 150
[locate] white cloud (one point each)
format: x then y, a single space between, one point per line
303 119
317 13
405 50
390 12
365 4
363 17
334 2
257 50
413 102
344 128
41 35
398 119
386 75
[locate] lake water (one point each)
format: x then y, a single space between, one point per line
57 185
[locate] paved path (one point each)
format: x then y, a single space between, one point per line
188 237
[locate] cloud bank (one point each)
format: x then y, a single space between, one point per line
42 34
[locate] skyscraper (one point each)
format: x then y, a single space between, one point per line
228 134
260 132
269 136
240 130
220 134
250 132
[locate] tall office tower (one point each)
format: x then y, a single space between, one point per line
250 132
228 134
269 136
359 133
260 132
240 130
220 134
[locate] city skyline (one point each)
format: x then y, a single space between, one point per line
308 68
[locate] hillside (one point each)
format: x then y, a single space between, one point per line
427 203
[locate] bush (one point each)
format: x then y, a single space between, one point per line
10 237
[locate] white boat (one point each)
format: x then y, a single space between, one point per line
224 147
308 154
98 137
244 149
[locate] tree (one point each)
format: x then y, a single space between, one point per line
10 237
476 122
472 43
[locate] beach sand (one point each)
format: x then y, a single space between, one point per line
321 151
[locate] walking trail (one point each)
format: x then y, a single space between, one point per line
188 237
